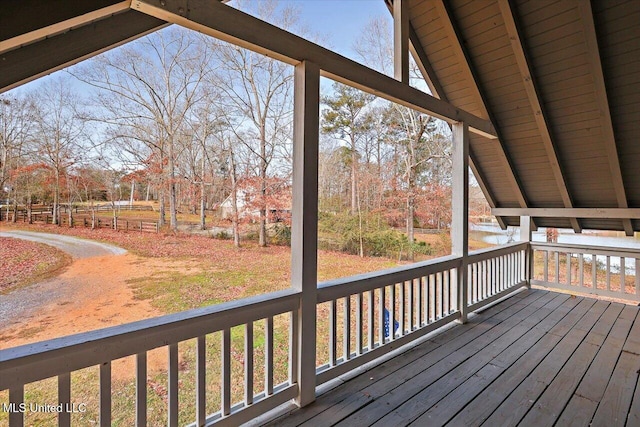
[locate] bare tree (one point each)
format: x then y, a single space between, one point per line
59 134
258 89
147 90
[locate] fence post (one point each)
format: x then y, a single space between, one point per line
460 210
526 226
304 228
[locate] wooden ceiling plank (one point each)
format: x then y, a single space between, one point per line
226 23
534 98
609 140
453 35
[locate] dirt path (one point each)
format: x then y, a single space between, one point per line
91 293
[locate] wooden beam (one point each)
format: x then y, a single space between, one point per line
460 210
452 33
84 17
401 40
596 213
304 225
608 135
30 62
528 80
229 24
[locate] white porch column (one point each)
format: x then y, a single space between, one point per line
460 209
526 227
401 40
304 228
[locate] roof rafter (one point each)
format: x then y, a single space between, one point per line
454 35
35 60
609 140
528 79
83 17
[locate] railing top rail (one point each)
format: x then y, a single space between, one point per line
588 249
338 288
32 362
495 251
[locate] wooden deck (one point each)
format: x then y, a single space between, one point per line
539 358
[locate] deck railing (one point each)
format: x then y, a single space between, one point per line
493 273
603 271
359 319
63 356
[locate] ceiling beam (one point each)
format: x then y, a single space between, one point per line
79 14
528 79
231 25
32 61
401 40
595 213
452 33
608 136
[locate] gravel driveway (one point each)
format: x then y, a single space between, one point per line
24 301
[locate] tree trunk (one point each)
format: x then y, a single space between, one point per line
173 205
354 179
234 202
262 234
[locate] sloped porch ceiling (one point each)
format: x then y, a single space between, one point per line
560 80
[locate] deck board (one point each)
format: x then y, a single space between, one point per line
539 358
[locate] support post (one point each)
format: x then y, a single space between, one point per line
460 209
304 229
526 226
401 40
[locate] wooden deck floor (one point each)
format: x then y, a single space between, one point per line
539 358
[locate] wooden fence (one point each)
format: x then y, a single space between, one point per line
46 217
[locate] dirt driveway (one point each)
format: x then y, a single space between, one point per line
91 293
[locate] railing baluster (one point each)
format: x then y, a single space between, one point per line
333 332
556 256
636 273
16 398
622 276
346 329
446 277
268 358
402 308
411 320
581 270
440 280
293 347
370 323
359 324
105 394
141 389
225 396
546 266
608 273
568 269
594 271
420 303
392 313
173 385
427 299
64 399
381 305
248 363
201 378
